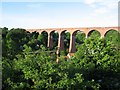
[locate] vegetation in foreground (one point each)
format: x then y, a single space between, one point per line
95 65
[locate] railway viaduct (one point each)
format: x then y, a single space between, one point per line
72 31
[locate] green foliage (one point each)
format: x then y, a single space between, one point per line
80 37
40 71
66 40
55 40
94 34
114 37
100 61
95 66
13 42
44 38
4 45
34 35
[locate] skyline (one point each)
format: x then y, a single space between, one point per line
87 13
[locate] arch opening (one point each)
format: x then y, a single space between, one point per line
65 42
94 34
54 37
43 38
78 38
113 36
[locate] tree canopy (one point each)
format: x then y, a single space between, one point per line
29 65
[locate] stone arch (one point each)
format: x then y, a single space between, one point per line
61 33
76 31
92 31
72 48
80 36
53 39
61 41
67 41
45 37
110 31
44 32
112 36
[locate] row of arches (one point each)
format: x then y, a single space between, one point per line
67 40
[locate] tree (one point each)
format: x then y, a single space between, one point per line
99 60
80 37
40 71
95 66
4 43
15 39
114 37
55 40
94 34
66 43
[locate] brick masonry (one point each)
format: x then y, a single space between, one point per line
72 31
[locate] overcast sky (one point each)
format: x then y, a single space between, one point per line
85 13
